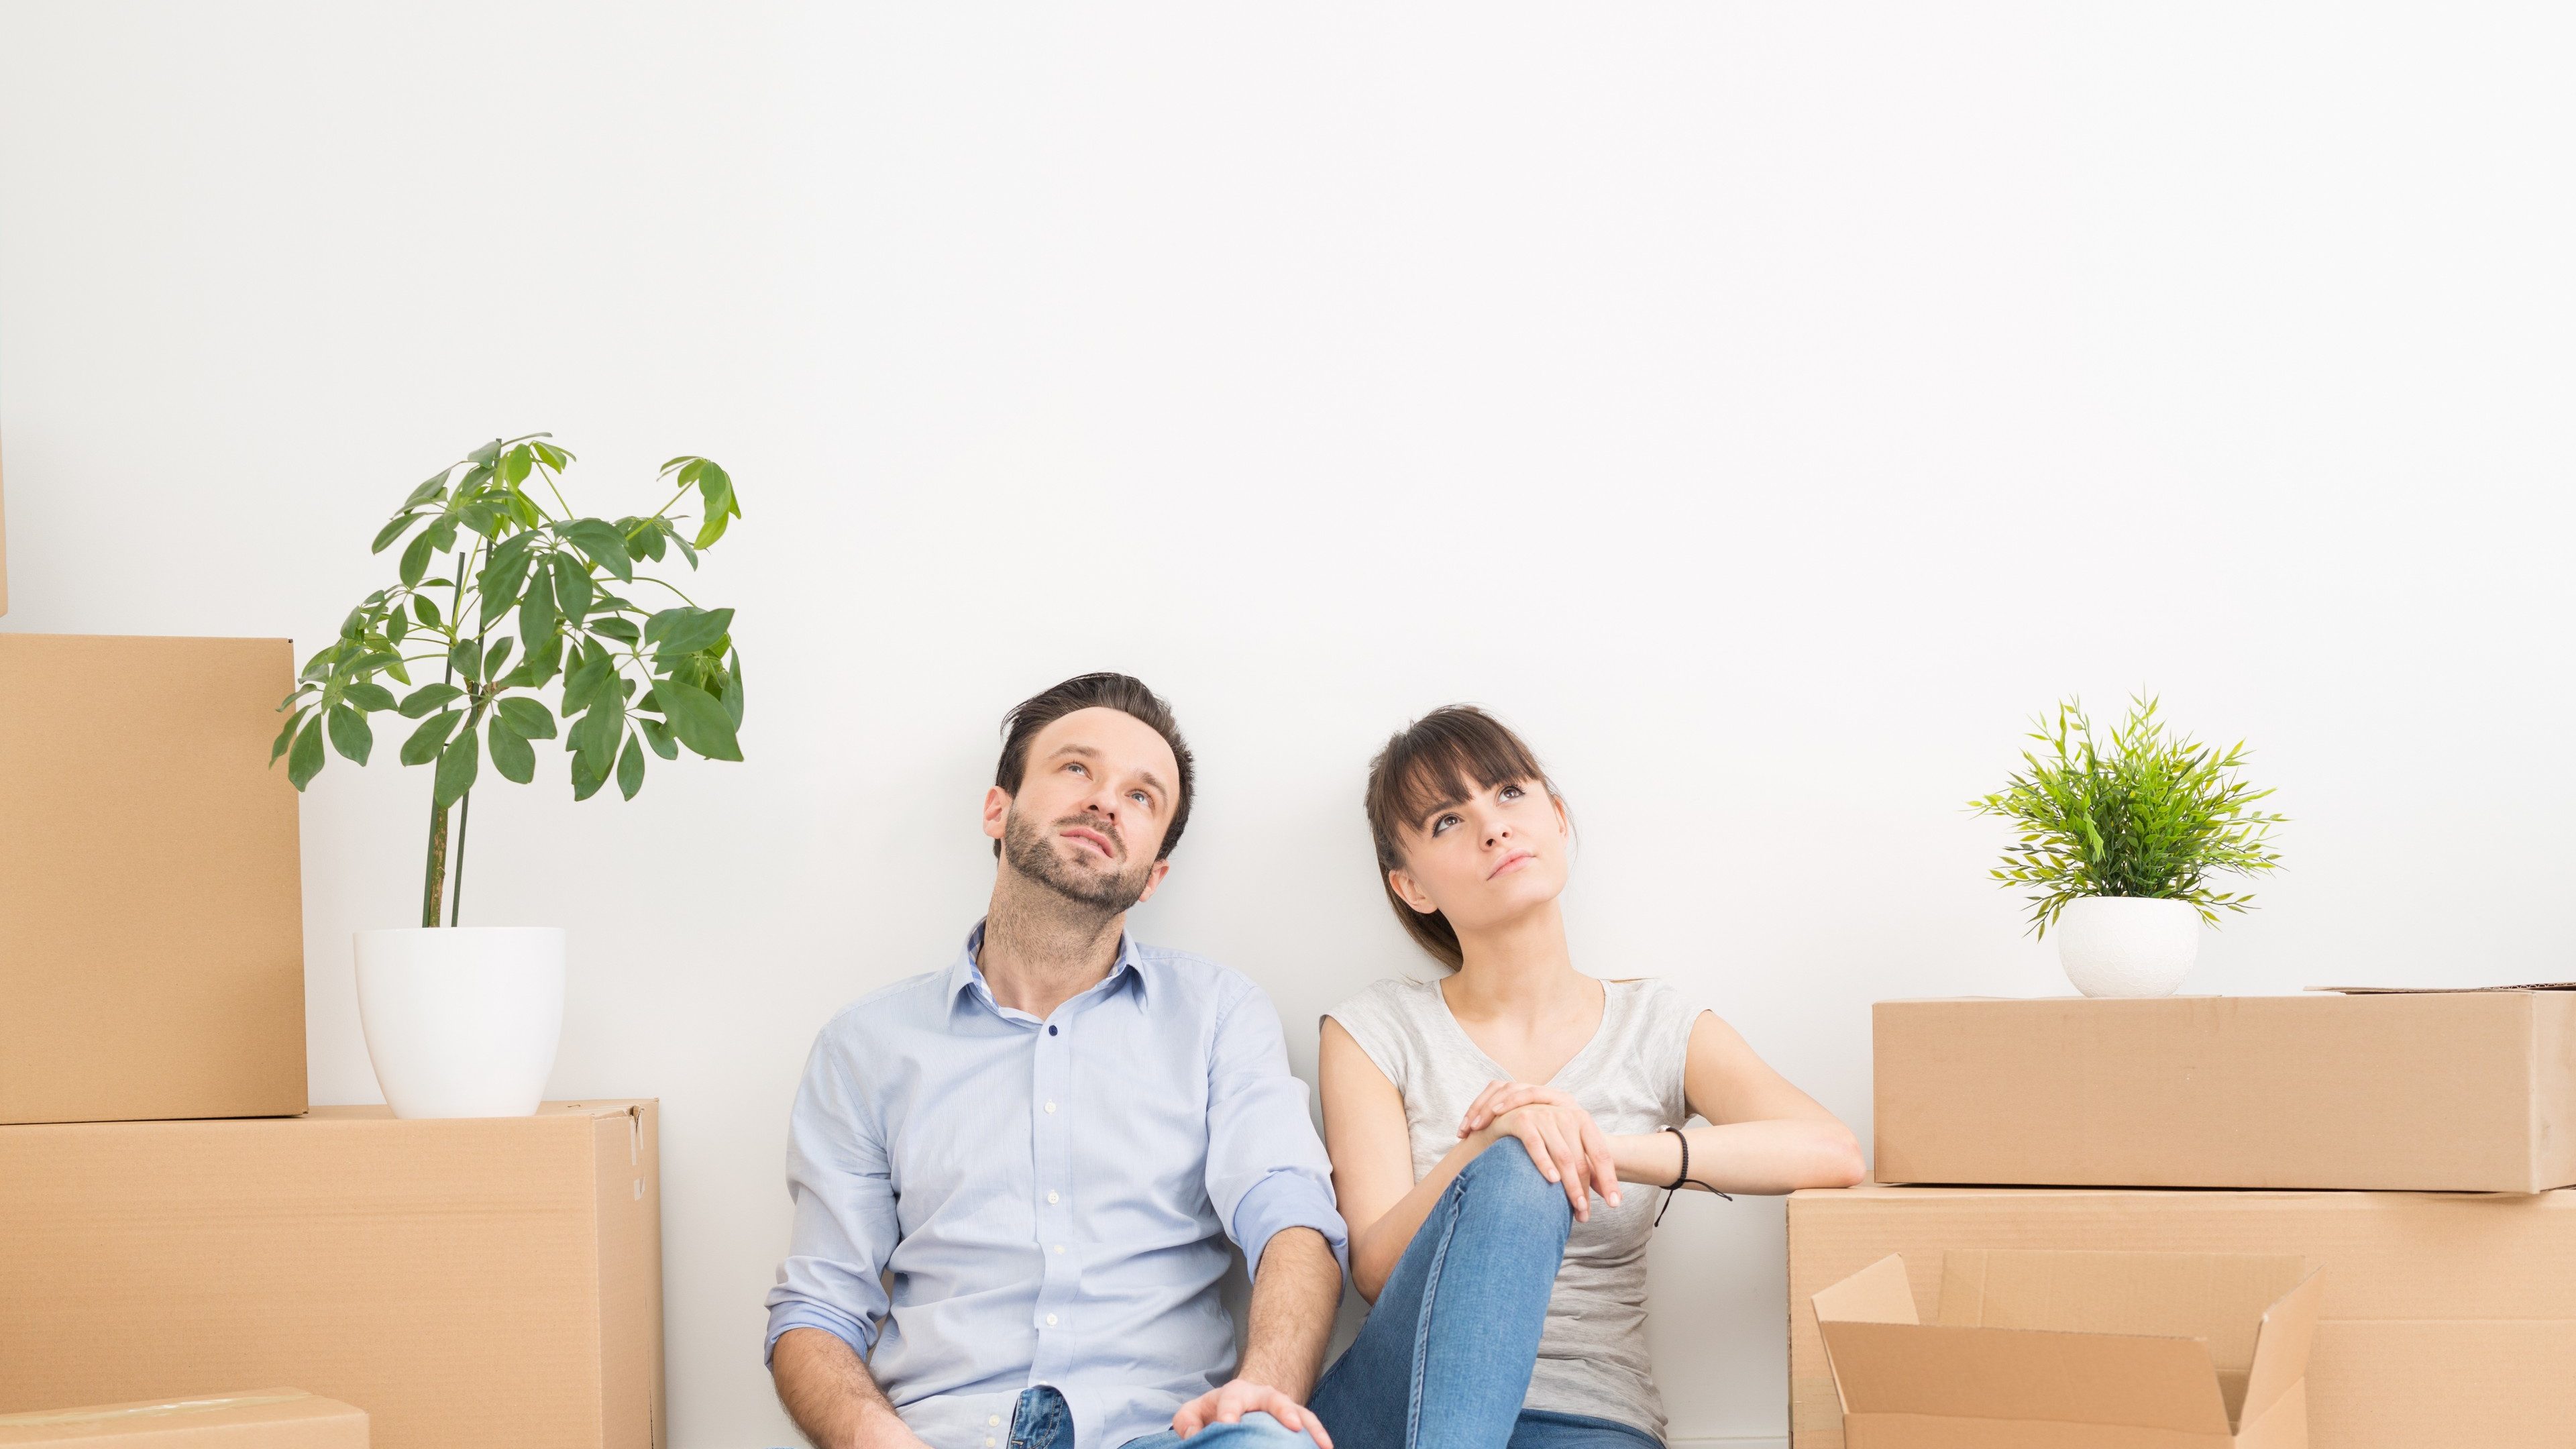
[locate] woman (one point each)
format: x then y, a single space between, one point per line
1497 1136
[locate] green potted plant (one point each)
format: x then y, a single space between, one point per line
462 1021
2118 845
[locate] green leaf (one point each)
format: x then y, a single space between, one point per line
658 735
397 624
427 609
698 719
510 753
305 759
515 465
442 534
553 457
686 631
601 543
572 586
528 719
370 696
426 698
621 630
537 617
424 743
415 562
484 455
503 576
467 657
350 733
595 735
286 734
493 659
586 682
733 691
391 531
586 780
630 768
429 490
456 767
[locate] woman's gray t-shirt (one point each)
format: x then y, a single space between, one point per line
1592 1355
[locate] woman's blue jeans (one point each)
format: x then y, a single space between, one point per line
1445 1356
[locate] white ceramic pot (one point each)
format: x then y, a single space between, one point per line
2127 945
462 1021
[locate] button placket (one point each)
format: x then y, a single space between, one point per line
1053 1129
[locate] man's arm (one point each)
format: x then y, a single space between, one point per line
832 1396
1294 1295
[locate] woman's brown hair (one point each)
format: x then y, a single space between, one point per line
1427 762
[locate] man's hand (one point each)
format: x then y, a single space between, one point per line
1229 1404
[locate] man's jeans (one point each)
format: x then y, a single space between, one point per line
1446 1353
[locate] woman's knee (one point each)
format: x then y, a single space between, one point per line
1504 1180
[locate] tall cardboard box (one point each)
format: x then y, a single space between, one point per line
2447 1319
484 1281
151 908
2076 1350
2465 1091
259 1419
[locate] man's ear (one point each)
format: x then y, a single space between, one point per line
1408 892
997 809
1154 878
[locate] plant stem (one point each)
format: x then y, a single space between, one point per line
464 817
435 886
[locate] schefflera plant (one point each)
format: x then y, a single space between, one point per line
534 600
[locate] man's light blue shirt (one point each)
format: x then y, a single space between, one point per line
986 1202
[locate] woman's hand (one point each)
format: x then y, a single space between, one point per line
1563 1140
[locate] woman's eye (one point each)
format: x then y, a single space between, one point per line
1511 792
1443 823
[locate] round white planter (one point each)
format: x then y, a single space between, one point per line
462 1021
2127 945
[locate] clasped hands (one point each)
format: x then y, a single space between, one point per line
1567 1145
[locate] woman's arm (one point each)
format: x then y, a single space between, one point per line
1764 1135
1373 1183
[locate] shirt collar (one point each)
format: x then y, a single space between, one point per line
966 979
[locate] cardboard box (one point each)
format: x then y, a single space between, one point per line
2447 1319
485 1281
258 1419
2444 1092
2075 1350
151 906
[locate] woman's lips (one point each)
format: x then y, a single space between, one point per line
1513 859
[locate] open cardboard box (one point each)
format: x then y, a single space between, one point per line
2076 1350
254 1419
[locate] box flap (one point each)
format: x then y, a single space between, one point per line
154 1408
2216 1297
2021 1374
2281 1346
1878 1293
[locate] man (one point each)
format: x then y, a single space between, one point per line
1011 1176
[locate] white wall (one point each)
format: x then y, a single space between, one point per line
1767 408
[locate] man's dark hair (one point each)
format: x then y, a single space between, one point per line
1122 692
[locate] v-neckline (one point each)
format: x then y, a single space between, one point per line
1600 1029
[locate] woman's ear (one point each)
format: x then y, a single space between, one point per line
1407 891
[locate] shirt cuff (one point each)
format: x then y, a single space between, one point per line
809 1314
1287 1200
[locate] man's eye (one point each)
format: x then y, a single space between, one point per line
1141 798
1076 767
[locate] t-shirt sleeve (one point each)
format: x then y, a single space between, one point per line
1370 1018
1674 1015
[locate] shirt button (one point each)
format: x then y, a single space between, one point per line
1050 1106
1050 1031
1050 1194
1059 1247
992 1419
1050 1320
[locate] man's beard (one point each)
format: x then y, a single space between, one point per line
1031 850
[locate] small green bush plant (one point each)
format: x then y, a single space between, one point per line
533 598
2155 815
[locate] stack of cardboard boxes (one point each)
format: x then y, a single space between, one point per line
175 1223
2398 1154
